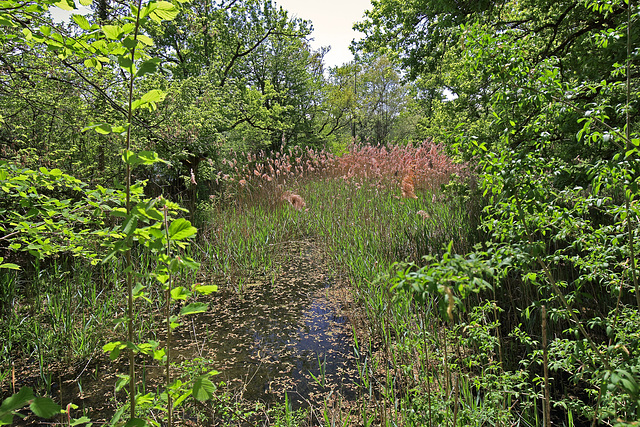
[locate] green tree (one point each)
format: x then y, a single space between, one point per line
560 31
384 103
252 51
545 100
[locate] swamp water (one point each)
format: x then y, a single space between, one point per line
274 337
268 340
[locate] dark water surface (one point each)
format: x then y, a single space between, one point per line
269 339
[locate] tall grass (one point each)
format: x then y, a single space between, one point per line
61 313
368 208
356 204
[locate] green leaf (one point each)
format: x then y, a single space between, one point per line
194 307
81 21
175 265
146 40
149 157
181 229
119 212
65 4
44 407
15 402
5 419
179 293
113 348
7 23
92 63
86 2
113 355
182 398
190 263
162 278
203 389
118 129
159 354
164 11
130 158
125 61
154 213
9 266
129 42
130 225
80 421
150 7
122 382
149 99
204 289
138 289
112 32
116 417
154 95
101 128
128 28
148 67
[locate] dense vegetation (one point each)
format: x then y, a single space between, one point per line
472 175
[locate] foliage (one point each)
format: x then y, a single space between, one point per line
144 222
251 57
553 134
540 97
34 220
41 406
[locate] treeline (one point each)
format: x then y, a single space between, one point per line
236 76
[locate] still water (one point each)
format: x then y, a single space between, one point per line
274 336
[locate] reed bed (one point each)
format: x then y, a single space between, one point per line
368 208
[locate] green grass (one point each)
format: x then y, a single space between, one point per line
365 228
59 314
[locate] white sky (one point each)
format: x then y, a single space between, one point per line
332 23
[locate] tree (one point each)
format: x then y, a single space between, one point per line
242 76
546 104
251 50
429 38
368 100
382 99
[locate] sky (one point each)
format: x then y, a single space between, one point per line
332 23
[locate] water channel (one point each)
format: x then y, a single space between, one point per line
270 338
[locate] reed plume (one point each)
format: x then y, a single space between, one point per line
408 189
294 200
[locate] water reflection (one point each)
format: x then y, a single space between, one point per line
266 341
